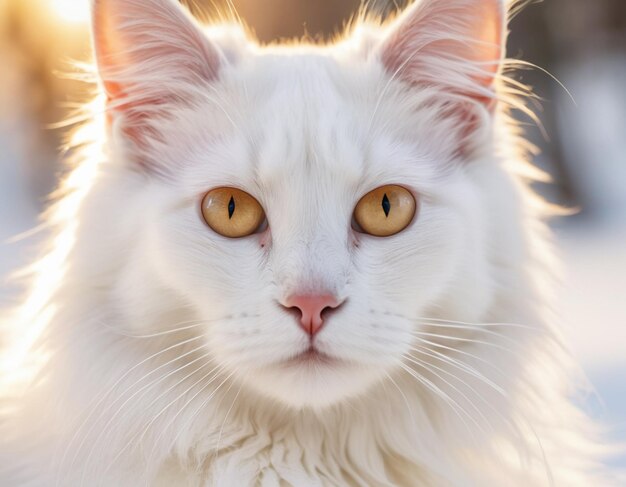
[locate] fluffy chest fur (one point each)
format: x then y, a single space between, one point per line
342 337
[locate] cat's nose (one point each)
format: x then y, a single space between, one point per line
311 309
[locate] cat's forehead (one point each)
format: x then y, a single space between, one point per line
303 121
307 120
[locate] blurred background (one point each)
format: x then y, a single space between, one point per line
580 42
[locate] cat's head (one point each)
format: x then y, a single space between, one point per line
309 205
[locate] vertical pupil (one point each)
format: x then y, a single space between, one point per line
386 205
231 207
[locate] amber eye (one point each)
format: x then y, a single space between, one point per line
232 213
385 211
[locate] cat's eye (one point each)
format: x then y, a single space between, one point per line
232 213
385 211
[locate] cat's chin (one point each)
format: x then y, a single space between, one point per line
314 380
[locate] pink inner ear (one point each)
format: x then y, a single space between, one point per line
454 44
149 53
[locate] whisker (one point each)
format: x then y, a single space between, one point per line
459 351
461 366
469 328
495 330
195 414
219 438
430 367
145 430
473 325
468 340
512 425
94 408
439 393
226 417
192 324
479 325
218 368
473 390
406 401
105 428
173 420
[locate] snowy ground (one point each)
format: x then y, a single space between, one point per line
594 314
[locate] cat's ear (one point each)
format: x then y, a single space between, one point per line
149 53
454 45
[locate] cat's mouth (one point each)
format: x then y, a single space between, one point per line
311 356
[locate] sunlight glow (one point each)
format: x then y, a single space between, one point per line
76 11
26 354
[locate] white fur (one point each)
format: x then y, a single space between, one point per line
157 344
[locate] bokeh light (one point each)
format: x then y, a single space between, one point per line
75 11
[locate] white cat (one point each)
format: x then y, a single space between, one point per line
295 265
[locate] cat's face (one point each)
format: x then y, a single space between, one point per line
307 132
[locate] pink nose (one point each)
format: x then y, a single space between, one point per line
311 308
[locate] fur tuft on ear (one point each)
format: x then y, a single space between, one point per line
453 45
150 53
